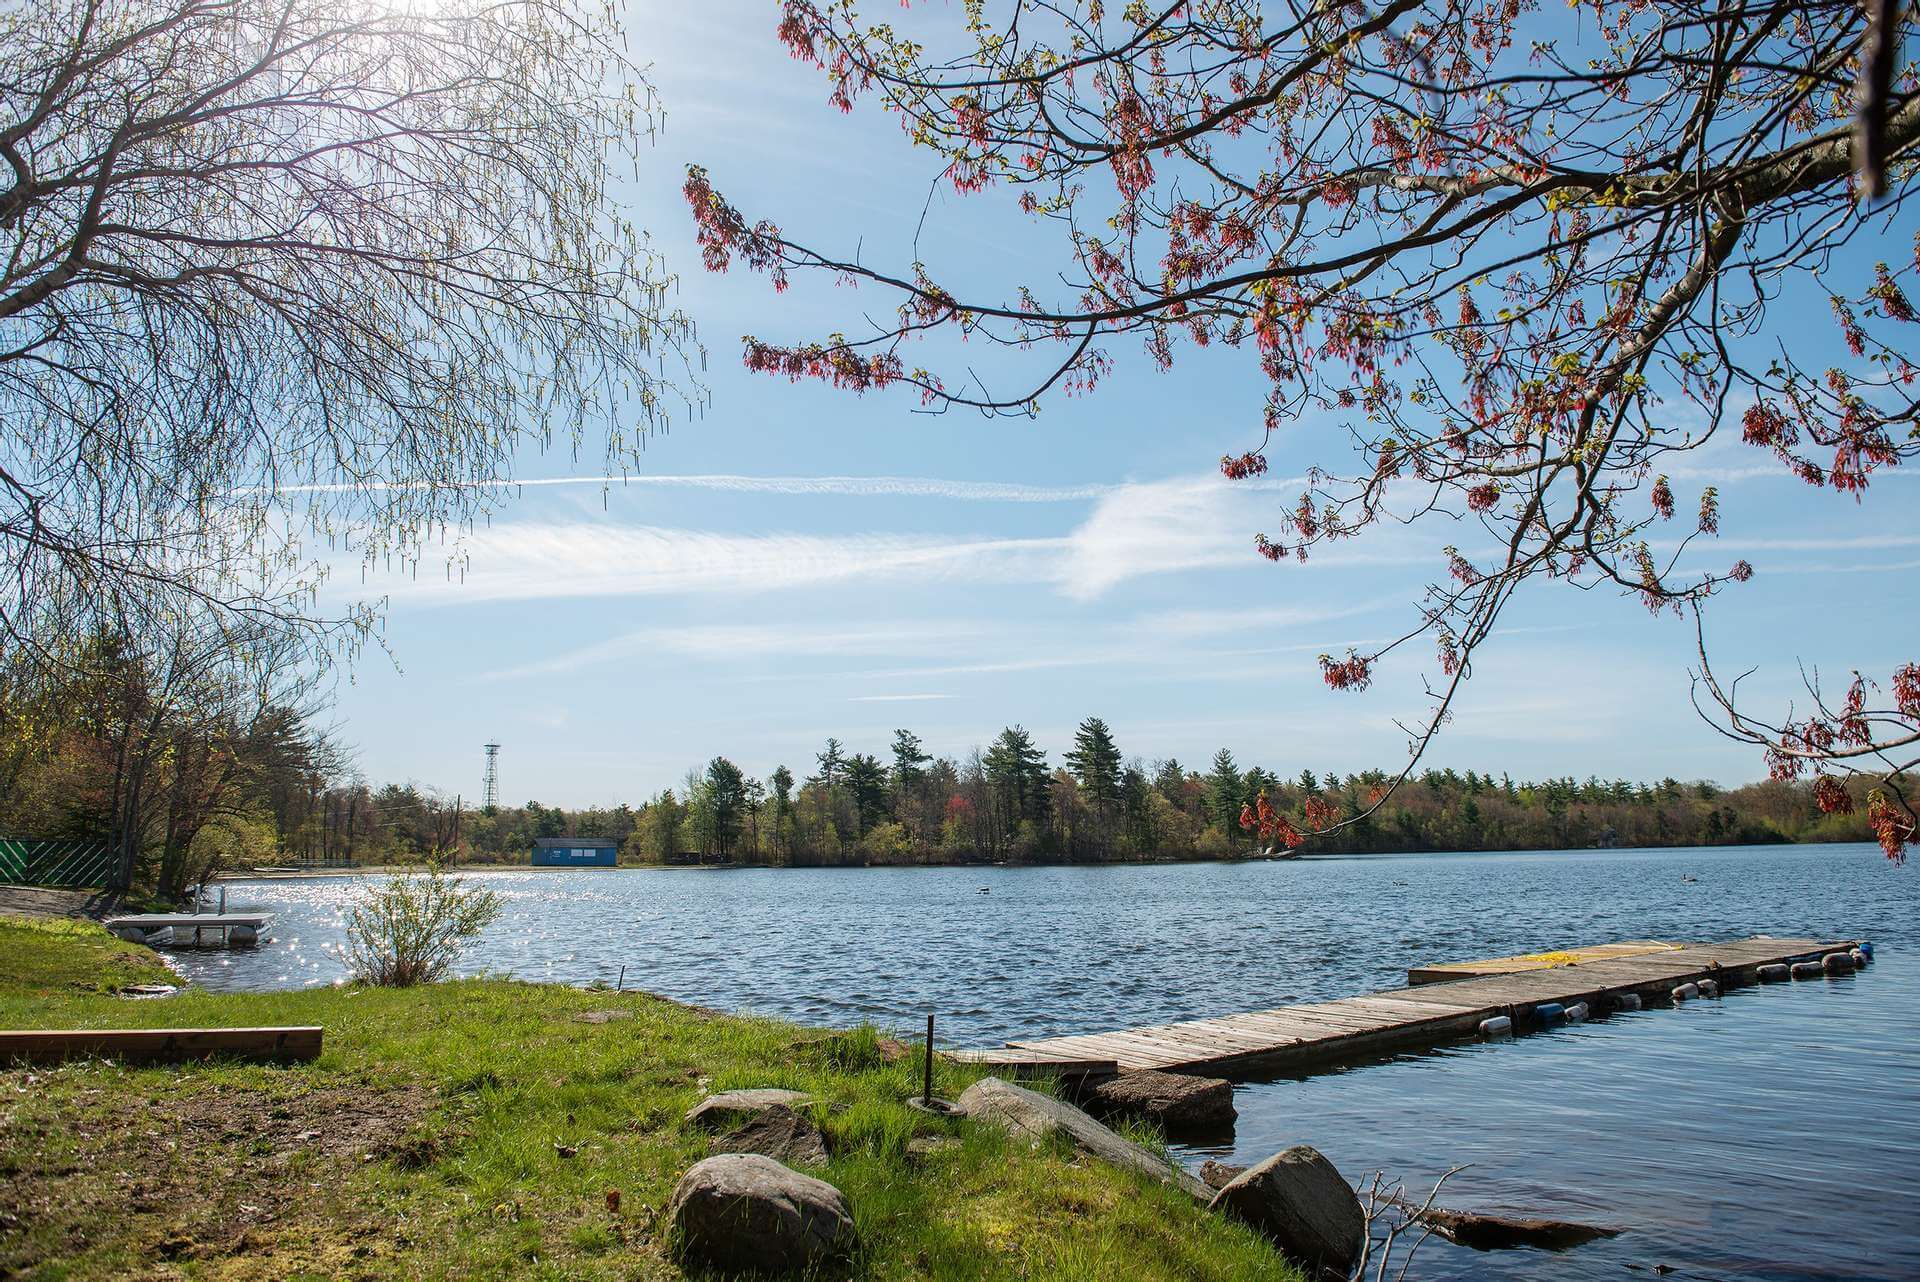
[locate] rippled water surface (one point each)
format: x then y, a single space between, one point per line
1774 1134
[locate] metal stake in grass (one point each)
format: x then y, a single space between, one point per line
926 1086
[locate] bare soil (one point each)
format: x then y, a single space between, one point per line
92 1163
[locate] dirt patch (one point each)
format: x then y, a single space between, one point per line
42 901
184 1170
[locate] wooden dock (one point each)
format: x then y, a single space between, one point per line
1319 1033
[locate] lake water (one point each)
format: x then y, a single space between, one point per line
1770 1135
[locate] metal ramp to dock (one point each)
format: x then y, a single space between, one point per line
1427 1012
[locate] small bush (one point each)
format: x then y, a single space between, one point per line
410 930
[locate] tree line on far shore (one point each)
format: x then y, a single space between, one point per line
182 769
1008 802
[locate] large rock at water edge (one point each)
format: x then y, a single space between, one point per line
1174 1100
743 1212
1034 1116
1300 1201
777 1132
729 1109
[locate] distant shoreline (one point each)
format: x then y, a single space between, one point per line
369 870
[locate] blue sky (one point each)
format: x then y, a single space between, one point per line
797 563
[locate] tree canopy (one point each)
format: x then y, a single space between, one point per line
284 277
1493 245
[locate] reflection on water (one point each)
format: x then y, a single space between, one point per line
1767 1135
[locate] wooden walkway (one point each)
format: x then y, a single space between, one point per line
1427 1013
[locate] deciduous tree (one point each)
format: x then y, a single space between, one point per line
278 276
1497 247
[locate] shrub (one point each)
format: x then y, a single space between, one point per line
410 929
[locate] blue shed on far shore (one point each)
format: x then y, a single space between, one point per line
575 852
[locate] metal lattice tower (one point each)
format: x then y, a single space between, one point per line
490 782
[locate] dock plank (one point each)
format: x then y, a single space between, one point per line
1005 1061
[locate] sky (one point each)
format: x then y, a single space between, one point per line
793 563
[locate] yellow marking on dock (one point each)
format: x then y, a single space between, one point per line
1539 961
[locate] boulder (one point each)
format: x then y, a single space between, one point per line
1303 1204
744 1212
1174 1100
1029 1114
777 1132
729 1109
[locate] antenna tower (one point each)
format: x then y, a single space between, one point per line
490 782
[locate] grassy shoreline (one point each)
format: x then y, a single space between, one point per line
473 1129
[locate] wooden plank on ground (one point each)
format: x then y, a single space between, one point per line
159 1045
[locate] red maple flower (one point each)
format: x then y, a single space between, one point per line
1239 469
1662 498
1832 796
1355 672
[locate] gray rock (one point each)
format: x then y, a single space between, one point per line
1021 1112
743 1212
1484 1231
1304 1205
729 1109
1174 1100
777 1132
1217 1175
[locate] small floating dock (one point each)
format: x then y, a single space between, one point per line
1444 1004
193 930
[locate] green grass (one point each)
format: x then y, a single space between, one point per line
432 1140
41 956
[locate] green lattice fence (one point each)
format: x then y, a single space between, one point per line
54 863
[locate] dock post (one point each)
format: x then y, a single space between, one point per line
926 1081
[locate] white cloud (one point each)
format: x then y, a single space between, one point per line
899 698
522 561
1159 527
836 486
731 643
1134 530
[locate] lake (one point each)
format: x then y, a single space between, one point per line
1769 1135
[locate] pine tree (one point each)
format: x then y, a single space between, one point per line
867 781
833 763
909 762
1018 772
1226 792
726 798
1095 762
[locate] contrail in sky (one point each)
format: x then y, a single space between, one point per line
853 486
